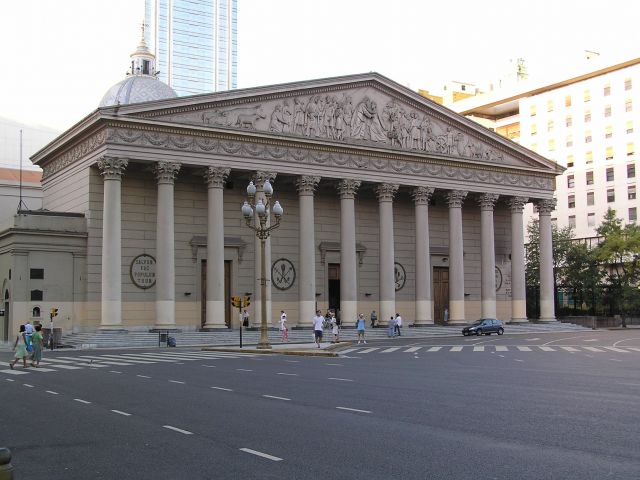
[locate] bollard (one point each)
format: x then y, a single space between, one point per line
6 470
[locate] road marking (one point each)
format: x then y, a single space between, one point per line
222 388
244 370
518 360
501 348
334 364
369 350
635 349
288 374
593 349
630 384
570 349
455 349
276 398
353 410
155 360
298 361
615 359
501 356
121 413
340 379
14 372
434 349
614 349
45 370
412 349
81 401
478 349
176 429
51 392
348 350
591 340
118 357
547 349
99 359
524 349
177 381
260 454
68 367
389 350
210 366
143 376
27 385
114 371
9 379
532 339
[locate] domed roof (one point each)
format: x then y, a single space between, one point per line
141 84
137 88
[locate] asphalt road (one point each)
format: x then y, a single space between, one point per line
406 409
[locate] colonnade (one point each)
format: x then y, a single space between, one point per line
112 169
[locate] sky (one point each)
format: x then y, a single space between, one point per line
58 57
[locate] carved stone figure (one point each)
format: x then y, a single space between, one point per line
298 117
366 124
248 120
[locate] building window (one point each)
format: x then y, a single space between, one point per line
35 312
631 170
572 221
532 111
611 195
607 90
590 199
591 219
571 201
631 192
627 84
609 153
551 144
587 116
587 96
588 158
36 295
36 274
610 175
534 129
633 214
608 131
570 161
568 121
628 105
630 126
590 178
550 126
571 182
549 105
567 101
587 137
570 141
607 111
630 149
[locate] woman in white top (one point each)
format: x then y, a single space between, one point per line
335 328
283 326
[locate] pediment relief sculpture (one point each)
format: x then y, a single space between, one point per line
361 116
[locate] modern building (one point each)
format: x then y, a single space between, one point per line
391 202
588 122
195 43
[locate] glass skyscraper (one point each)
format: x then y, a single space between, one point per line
195 43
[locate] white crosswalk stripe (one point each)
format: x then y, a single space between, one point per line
478 348
392 349
491 348
547 349
614 349
570 349
434 349
456 349
523 349
594 349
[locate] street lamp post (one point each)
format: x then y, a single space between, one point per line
263 231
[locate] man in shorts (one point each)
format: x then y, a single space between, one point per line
317 327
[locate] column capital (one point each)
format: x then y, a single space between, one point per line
456 197
112 168
307 184
260 176
517 204
487 201
216 176
545 207
386 191
166 171
422 195
348 188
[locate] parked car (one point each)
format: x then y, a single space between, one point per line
486 326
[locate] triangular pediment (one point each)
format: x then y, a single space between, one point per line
364 110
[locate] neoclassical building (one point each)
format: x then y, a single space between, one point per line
391 202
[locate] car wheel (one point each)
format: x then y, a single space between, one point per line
500 331
479 331
464 334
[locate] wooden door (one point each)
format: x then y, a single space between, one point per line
440 293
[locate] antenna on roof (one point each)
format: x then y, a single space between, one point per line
21 203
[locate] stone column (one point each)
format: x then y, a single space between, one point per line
307 283
215 318
165 250
424 302
488 256
385 193
456 262
518 285
348 261
111 169
259 179
547 307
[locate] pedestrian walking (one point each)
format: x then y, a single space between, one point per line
38 345
335 329
245 318
283 326
360 328
398 323
446 315
374 318
318 320
20 346
392 328
28 331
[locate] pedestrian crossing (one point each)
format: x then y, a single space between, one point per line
489 348
55 363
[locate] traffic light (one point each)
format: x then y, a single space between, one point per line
247 301
54 312
235 301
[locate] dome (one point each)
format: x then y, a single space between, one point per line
137 88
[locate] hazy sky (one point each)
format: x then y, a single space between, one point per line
60 56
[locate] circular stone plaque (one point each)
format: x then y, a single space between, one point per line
283 274
143 271
400 275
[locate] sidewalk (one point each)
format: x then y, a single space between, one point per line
302 349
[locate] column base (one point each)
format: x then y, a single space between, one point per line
111 329
422 324
161 329
547 320
215 329
517 320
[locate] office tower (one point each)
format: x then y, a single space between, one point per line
195 43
